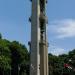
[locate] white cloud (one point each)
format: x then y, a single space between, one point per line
63 28
56 50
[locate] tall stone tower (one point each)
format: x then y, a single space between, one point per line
38 44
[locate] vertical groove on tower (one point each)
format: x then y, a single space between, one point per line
43 40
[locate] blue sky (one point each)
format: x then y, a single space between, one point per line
14 23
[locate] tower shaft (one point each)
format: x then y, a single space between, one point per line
38 51
34 55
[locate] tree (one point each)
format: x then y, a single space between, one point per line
19 54
5 59
13 56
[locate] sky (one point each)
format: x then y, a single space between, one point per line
14 24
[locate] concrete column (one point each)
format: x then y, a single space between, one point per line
34 54
38 52
43 58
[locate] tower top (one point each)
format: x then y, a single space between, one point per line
41 0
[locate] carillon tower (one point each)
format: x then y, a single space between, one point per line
38 44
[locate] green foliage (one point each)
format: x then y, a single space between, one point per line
4 62
12 56
56 64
